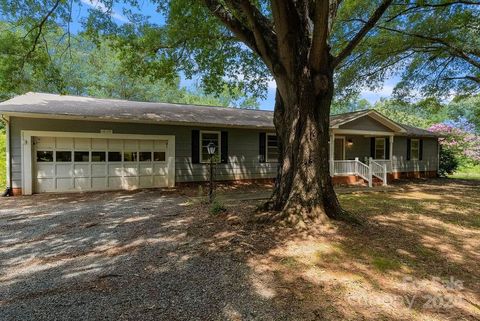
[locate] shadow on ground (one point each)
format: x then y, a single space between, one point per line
155 255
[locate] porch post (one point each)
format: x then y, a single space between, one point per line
391 153
370 173
332 151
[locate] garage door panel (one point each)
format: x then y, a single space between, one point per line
159 181
160 169
82 143
123 182
45 143
130 170
45 170
115 170
64 184
81 170
99 144
98 170
130 183
146 169
160 145
146 145
64 170
130 144
82 183
146 181
64 143
45 185
86 170
115 144
99 183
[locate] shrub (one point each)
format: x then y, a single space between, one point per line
448 162
217 207
460 140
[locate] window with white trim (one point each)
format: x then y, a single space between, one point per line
272 148
207 137
414 149
379 148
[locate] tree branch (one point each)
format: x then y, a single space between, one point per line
377 14
40 26
318 55
472 78
434 40
285 43
261 27
233 24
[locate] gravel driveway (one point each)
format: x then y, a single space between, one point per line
144 255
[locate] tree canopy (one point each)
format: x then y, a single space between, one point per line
433 43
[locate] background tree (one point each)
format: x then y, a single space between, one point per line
242 43
432 46
79 66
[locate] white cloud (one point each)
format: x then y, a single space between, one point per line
100 6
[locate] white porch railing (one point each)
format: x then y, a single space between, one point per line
386 162
357 168
379 171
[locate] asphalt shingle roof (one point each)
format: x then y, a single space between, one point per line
121 110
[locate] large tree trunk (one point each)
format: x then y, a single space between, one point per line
303 190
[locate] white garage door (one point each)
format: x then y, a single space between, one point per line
62 164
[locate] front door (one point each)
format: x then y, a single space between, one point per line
339 151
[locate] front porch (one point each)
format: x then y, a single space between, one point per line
366 155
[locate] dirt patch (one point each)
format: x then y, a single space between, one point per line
155 255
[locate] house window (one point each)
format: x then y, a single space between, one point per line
129 156
81 156
98 156
45 156
379 148
63 156
205 139
114 156
145 156
158 156
415 149
272 148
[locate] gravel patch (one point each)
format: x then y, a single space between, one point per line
142 255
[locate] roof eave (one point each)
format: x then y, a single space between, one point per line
130 120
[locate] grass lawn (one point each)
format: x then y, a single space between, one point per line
472 172
2 161
416 257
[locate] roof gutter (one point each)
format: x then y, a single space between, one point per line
8 190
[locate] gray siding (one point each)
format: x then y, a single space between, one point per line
360 147
243 147
428 163
366 123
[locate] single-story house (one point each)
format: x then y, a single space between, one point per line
59 143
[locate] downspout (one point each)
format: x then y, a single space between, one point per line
8 191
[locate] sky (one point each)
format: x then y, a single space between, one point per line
149 9
370 96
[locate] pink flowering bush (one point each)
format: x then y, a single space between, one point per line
460 140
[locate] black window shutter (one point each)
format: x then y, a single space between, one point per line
372 147
262 137
387 148
420 151
224 147
409 144
195 146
